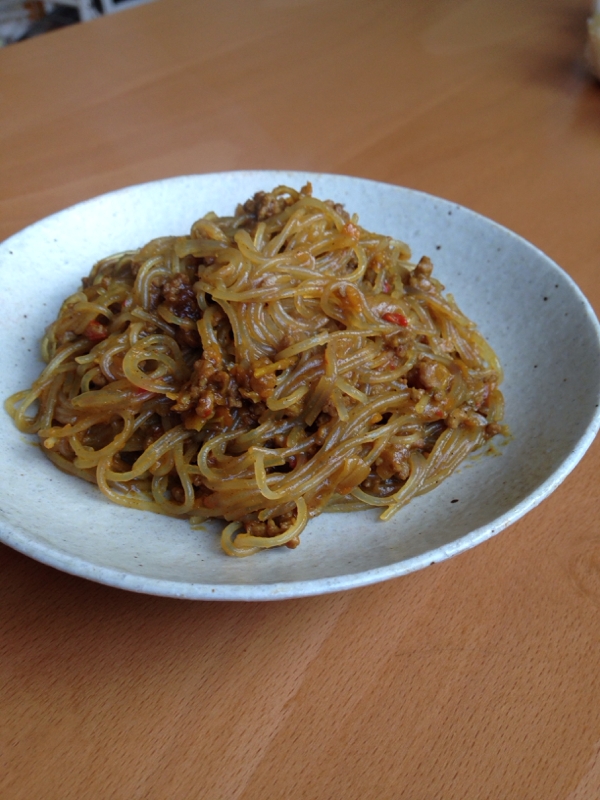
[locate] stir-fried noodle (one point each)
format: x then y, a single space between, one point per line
267 367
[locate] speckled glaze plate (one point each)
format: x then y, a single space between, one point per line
543 329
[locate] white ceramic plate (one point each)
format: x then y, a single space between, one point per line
535 317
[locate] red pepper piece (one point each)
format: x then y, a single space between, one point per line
395 318
95 331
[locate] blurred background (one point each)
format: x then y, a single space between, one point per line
23 19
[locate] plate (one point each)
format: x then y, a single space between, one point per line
541 326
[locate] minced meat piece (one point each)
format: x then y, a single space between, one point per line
265 204
433 376
180 298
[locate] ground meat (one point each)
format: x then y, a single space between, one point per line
323 425
268 204
263 385
177 494
255 388
380 487
493 429
393 461
265 204
424 268
188 338
466 417
420 278
430 375
179 297
415 394
272 527
207 388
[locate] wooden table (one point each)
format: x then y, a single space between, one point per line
475 679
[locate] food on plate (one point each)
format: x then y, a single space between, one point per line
269 366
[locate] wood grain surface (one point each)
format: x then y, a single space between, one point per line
475 679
